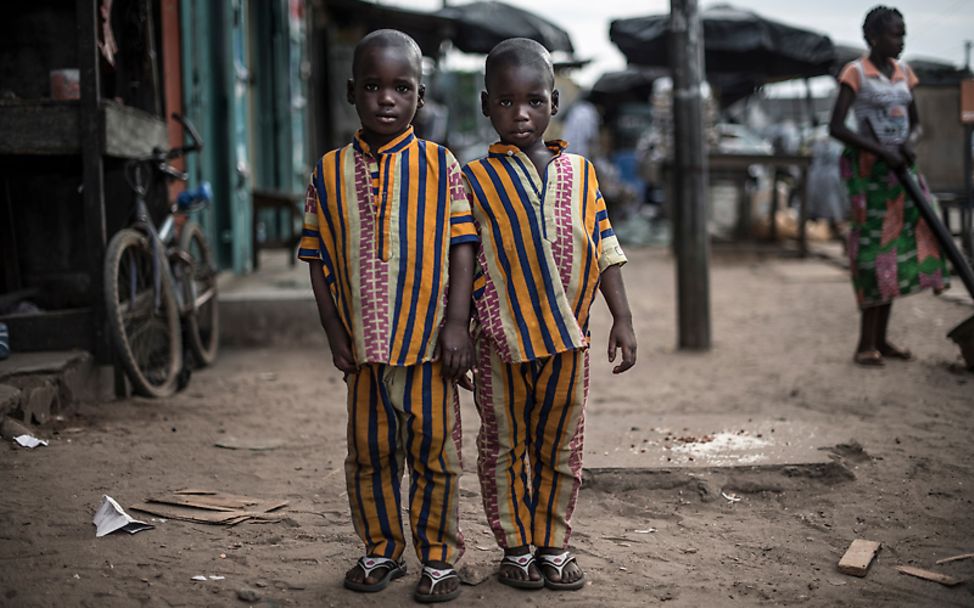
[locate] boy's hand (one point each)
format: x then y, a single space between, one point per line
341 350
622 336
455 350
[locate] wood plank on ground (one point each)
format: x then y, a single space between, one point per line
858 556
929 575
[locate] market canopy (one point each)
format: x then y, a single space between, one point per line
481 25
472 28
735 41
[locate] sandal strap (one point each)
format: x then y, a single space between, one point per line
438 575
370 564
557 561
521 562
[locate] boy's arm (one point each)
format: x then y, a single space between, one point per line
622 335
338 340
456 349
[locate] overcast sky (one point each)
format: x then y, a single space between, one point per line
934 28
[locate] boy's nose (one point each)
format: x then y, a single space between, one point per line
385 98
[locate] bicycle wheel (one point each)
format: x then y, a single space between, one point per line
203 318
142 318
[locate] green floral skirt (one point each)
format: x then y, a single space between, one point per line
892 251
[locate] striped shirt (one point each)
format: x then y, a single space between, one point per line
382 225
543 244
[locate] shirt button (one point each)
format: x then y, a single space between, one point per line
510 152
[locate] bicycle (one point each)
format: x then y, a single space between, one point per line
160 283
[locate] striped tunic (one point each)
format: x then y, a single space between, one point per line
382 223
544 241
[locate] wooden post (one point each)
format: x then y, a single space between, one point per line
92 136
691 242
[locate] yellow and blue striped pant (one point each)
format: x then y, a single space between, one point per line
532 417
404 415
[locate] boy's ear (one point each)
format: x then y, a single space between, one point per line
421 100
484 108
350 91
554 102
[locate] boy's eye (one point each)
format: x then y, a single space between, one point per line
402 88
371 87
504 103
537 102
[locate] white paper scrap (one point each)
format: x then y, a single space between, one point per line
29 441
199 577
214 577
111 516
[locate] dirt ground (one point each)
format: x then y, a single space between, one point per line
784 334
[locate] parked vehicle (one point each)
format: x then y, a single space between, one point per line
160 282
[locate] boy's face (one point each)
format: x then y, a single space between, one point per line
386 92
519 101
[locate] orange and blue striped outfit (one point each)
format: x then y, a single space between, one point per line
382 223
544 242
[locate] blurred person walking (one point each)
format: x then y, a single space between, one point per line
892 251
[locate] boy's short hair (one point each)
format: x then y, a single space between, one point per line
516 52
386 38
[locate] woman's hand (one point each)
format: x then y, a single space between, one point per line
908 153
894 158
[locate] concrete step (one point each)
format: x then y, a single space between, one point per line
35 386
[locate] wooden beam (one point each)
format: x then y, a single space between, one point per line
690 240
132 133
39 127
91 134
55 330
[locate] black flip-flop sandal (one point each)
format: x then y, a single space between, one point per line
369 565
522 563
558 562
437 576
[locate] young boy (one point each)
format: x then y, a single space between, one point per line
545 244
387 229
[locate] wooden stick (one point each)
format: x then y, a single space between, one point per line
955 558
928 575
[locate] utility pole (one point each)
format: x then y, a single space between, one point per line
967 55
691 242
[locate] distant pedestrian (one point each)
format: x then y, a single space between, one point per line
546 243
581 127
892 251
387 220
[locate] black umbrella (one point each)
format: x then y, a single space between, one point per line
630 84
481 25
735 41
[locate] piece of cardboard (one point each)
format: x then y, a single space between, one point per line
218 501
210 507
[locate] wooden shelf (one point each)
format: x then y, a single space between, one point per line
47 126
